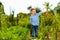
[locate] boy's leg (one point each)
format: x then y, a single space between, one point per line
36 31
32 31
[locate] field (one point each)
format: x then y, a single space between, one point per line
18 28
22 30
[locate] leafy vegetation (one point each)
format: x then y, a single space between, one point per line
18 28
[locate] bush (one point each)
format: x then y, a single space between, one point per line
14 33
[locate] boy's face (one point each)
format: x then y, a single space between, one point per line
33 12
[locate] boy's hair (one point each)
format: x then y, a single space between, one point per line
32 9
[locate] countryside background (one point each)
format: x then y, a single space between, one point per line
18 28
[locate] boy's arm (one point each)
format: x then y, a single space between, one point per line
40 13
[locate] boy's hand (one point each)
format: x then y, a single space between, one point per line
45 11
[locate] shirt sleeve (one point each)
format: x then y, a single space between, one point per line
39 13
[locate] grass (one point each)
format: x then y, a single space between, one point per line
22 33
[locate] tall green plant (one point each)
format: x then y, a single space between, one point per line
1 11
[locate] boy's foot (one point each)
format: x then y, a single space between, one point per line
37 39
33 39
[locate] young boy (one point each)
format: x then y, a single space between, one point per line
34 19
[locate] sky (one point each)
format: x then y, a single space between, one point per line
21 5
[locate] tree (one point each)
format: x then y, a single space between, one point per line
1 8
57 9
29 7
58 4
47 6
38 10
1 11
11 18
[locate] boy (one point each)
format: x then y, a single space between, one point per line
34 19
